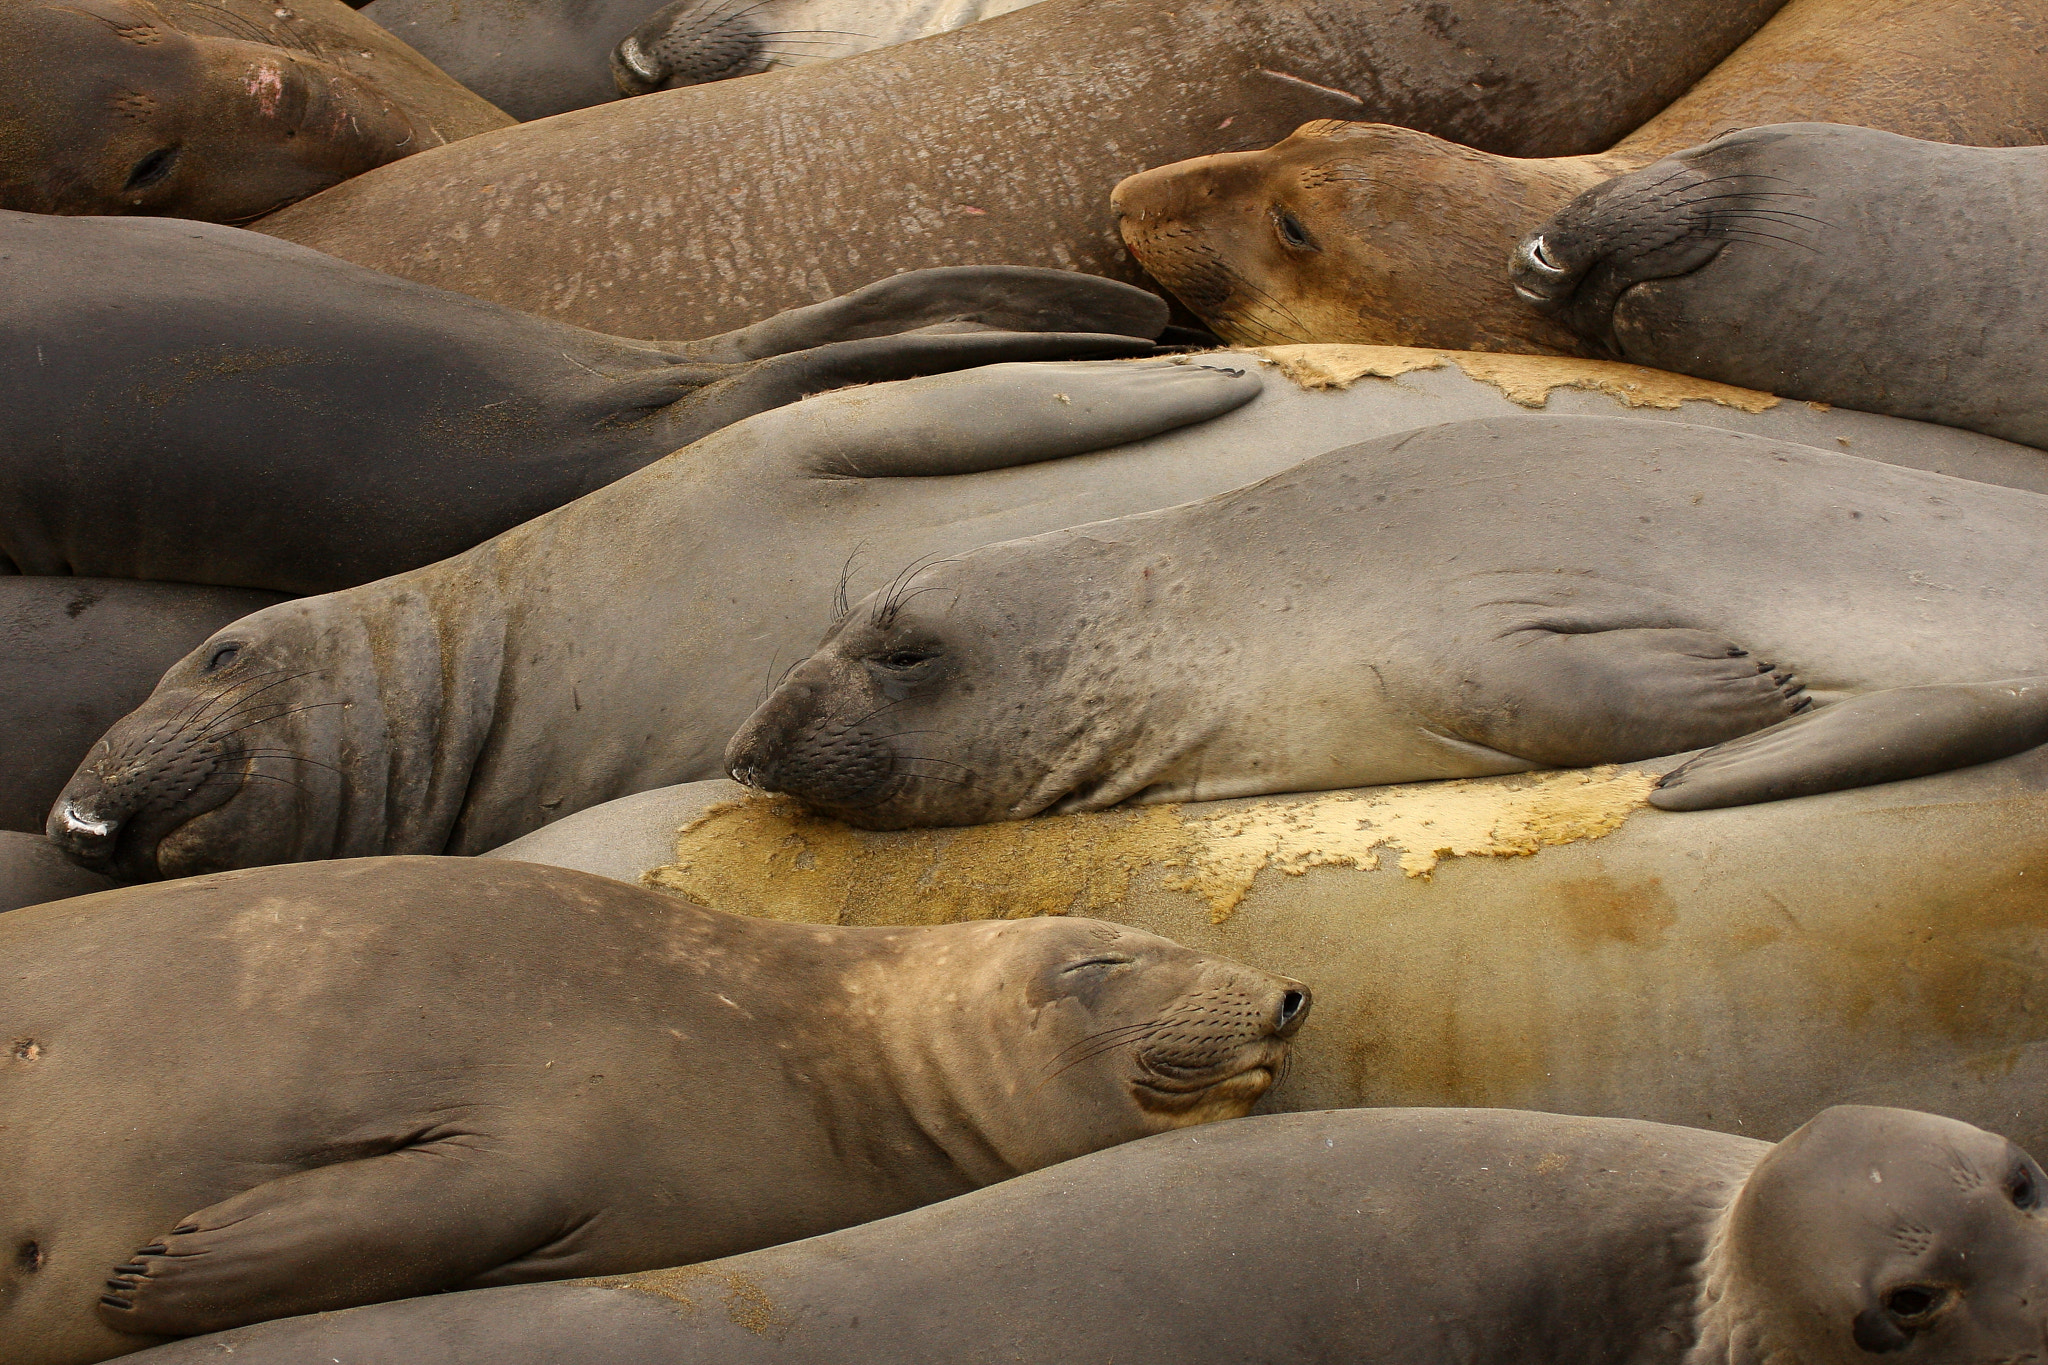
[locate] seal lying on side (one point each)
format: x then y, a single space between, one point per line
1541 941
76 655
690 42
401 1083
574 691
1837 264
1365 232
215 109
692 211
1481 597
202 404
1386 1237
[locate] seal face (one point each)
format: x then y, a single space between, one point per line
1423 607
114 109
1836 264
457 1101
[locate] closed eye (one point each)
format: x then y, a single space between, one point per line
151 169
906 658
1107 960
221 657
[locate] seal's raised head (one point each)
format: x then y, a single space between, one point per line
110 108
1119 1033
1883 1234
1350 232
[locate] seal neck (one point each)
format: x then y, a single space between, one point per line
1733 1323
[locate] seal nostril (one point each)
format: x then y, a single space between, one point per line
1293 1005
83 828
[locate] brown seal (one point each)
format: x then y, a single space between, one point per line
1388 1237
1364 232
396 1076
221 111
687 212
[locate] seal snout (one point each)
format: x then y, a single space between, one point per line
1292 1013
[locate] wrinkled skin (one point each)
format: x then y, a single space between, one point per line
443 1097
1384 1237
1542 592
1353 232
196 111
1839 265
691 211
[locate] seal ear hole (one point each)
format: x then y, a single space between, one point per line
222 657
151 169
2024 1188
1292 232
29 1255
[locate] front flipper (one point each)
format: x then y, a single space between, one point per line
1879 737
405 1223
1571 699
1006 298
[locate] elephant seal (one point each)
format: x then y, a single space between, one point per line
1543 941
1409 1236
76 655
1773 258
690 42
168 415
214 109
473 701
1558 592
403 1084
34 870
1363 232
692 211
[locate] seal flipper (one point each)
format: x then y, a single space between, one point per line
1878 737
410 1222
1572 699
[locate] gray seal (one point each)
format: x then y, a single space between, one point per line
1469 599
418 1074
1840 265
1385 1237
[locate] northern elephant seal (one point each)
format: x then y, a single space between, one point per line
1475 598
202 404
1364 232
1417 1237
1838 264
214 109
76 655
692 211
404 1083
1544 941
615 645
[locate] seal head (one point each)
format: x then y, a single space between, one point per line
1874 1234
112 109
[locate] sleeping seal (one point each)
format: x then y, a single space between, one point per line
1837 264
692 211
416 1074
1384 1237
1366 232
195 403
215 109
1475 598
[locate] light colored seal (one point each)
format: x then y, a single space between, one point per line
1365 232
215 109
1475 598
1838 264
1393 1237
375 425
693 211
1544 941
574 691
418 1074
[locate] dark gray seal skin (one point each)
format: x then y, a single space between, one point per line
76 655
1469 599
616 643
34 870
693 211
1841 265
531 58
1386 1237
419 1074
201 404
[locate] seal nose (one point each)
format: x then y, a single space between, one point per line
1293 1010
1537 276
86 837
